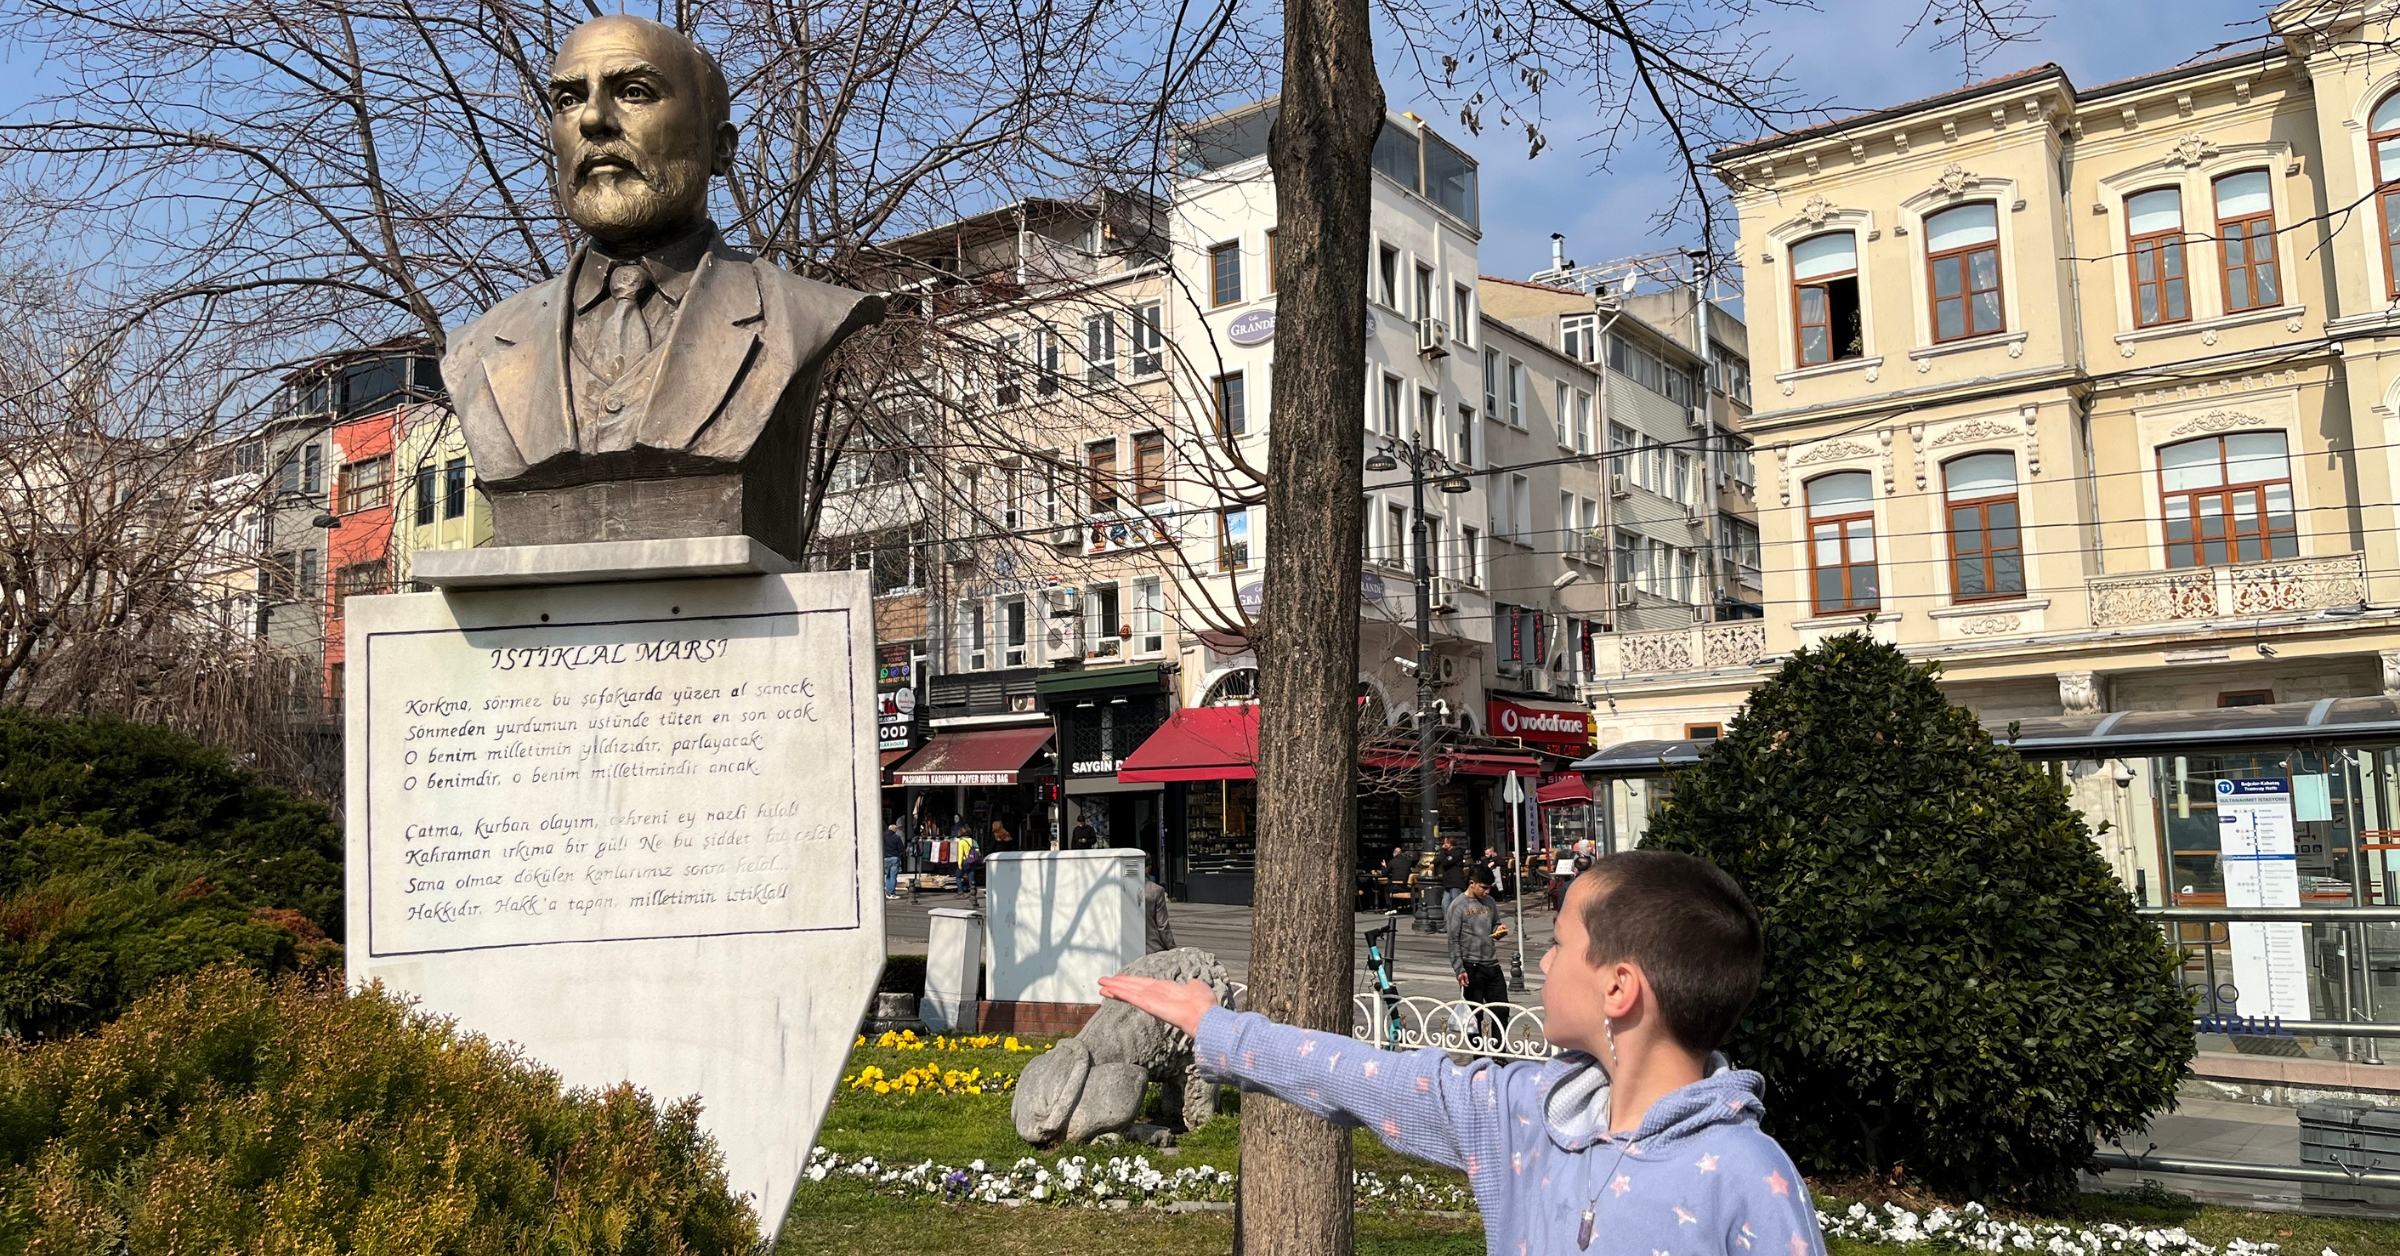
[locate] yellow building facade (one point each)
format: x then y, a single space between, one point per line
2086 394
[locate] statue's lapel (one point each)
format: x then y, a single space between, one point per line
528 374
715 334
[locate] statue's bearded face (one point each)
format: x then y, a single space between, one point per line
631 124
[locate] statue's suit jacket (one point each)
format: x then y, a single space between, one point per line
747 345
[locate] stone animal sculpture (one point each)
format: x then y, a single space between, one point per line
1093 1083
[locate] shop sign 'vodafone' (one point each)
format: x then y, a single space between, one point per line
1566 729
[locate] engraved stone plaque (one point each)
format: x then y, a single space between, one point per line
627 826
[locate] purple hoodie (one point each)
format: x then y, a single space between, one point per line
1699 1178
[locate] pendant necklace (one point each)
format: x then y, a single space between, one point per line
1583 1233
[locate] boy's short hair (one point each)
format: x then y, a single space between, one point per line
1479 875
1690 928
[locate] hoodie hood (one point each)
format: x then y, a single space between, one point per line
1575 1103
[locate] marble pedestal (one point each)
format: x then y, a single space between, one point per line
629 826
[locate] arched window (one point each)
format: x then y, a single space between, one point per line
1234 688
1841 551
1987 552
2383 136
1962 263
2246 241
1825 310
2228 499
2154 248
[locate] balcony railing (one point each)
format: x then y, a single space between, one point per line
2290 584
1702 647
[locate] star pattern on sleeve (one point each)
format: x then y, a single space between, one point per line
1621 1185
1368 1068
1707 1163
1778 1183
1799 1244
1745 1236
1683 1216
1391 1128
1308 1047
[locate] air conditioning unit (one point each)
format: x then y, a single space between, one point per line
1595 549
1069 537
1446 669
1618 486
1699 614
1433 338
1696 419
1691 514
1445 595
958 552
1625 593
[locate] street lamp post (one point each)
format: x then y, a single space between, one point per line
1423 462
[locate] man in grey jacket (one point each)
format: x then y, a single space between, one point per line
1474 921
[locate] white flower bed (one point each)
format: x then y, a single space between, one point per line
1971 1229
1121 1181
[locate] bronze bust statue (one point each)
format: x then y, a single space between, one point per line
662 385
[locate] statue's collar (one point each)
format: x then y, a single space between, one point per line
671 266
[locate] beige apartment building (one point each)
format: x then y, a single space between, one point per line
2086 394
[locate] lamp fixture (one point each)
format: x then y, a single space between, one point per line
1455 484
1382 461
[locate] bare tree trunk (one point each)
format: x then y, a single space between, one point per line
1295 1185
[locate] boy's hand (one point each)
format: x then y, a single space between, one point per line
1462 981
1178 1003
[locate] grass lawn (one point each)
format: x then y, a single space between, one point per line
843 1217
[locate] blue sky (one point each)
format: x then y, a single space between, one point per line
1848 53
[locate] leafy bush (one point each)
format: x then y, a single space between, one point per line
129 853
223 1112
1955 982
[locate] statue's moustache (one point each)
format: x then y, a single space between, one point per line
590 163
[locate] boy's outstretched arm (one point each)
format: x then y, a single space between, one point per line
1417 1102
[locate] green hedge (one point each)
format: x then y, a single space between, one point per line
1956 985
118 778
224 1112
129 854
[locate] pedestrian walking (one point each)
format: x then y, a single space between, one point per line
1475 928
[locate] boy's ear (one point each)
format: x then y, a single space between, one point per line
1623 987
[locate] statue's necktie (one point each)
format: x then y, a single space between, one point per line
625 338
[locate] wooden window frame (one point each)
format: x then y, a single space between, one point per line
356 491
1217 253
1982 506
1100 475
1149 468
1800 325
1225 557
2162 245
1967 291
1849 605
2387 199
2251 230
1226 389
2225 492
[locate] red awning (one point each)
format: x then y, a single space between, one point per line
1493 765
1198 744
1566 791
974 756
